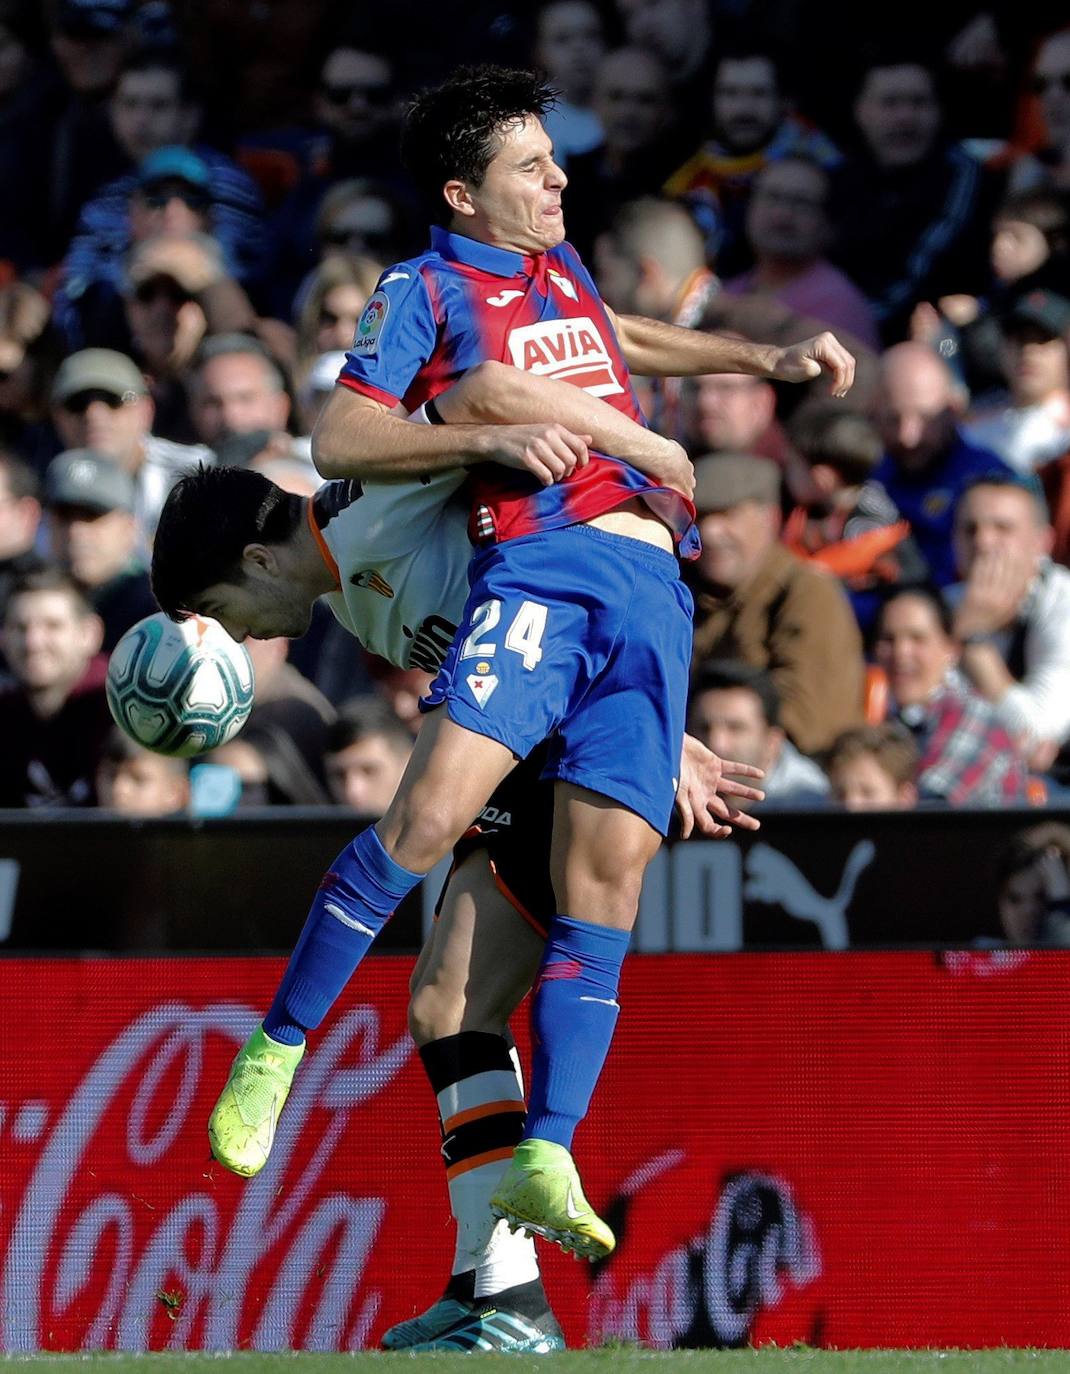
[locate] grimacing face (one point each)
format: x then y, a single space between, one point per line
518 204
262 605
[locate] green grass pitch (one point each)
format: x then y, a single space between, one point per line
608 1361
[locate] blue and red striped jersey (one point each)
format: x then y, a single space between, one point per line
435 316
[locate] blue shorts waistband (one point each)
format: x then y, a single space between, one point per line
660 560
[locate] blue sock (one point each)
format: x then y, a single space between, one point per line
356 898
573 1015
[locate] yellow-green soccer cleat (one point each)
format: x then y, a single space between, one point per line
541 1192
241 1129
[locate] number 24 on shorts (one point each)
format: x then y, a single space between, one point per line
524 636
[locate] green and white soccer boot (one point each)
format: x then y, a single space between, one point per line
541 1192
241 1129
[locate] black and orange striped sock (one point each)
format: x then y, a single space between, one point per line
480 1099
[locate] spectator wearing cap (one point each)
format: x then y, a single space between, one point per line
1035 426
54 715
174 191
758 603
928 462
1011 616
100 401
92 534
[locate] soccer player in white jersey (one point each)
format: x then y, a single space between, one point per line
392 562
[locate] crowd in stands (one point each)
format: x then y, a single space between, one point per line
199 200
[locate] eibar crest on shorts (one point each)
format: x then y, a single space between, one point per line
481 684
370 324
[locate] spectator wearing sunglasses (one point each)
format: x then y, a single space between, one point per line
100 401
175 191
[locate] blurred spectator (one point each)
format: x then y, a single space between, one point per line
362 217
752 126
174 191
29 355
286 703
1030 248
680 34
873 767
329 305
366 753
138 783
20 516
849 525
237 389
25 98
651 261
788 231
928 462
728 412
1012 615
928 202
152 105
92 534
100 401
1051 85
633 103
735 711
272 768
756 602
569 44
318 381
53 716
1035 427
967 755
89 40
1033 886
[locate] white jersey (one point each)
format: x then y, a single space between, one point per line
402 552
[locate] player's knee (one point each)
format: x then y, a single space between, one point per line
417 837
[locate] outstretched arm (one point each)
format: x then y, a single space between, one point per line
496 393
654 349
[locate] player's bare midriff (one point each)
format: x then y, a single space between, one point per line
635 520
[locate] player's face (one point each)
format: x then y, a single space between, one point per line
262 605
518 205
913 649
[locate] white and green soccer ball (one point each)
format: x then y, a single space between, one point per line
179 688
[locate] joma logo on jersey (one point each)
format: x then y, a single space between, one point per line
568 350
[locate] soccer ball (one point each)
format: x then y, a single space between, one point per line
179 688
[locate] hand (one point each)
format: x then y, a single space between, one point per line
993 593
549 451
679 471
703 786
192 260
802 362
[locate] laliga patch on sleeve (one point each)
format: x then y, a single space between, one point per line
370 325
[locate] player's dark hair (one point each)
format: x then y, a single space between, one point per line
451 132
208 519
727 674
361 717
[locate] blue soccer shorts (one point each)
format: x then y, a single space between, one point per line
581 638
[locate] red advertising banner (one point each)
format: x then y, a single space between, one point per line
846 1149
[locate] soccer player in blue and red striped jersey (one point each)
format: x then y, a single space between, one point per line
577 629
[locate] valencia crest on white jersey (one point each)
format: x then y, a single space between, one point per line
402 553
